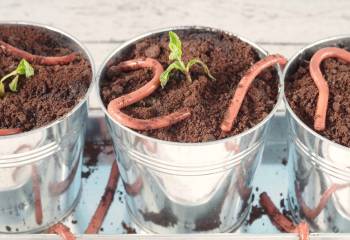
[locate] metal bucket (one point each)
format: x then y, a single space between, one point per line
40 169
317 163
186 187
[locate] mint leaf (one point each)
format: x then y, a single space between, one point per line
175 56
24 68
164 77
204 66
175 47
2 89
13 84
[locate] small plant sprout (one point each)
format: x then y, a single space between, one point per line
23 68
177 64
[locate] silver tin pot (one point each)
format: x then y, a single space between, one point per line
317 163
186 187
43 165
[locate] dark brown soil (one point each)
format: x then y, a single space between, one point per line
228 58
164 218
128 229
302 94
53 90
255 213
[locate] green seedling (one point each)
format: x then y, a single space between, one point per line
178 64
23 68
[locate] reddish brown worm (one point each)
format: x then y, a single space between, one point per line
321 83
106 201
9 131
282 222
243 87
62 230
43 60
143 124
312 213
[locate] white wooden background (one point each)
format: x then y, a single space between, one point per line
277 25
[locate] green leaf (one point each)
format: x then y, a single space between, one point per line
164 77
2 89
175 46
24 68
13 84
204 66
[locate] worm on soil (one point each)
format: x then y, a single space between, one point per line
282 222
115 105
243 87
321 83
43 60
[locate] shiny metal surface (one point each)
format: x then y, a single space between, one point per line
318 163
99 148
43 164
99 156
182 187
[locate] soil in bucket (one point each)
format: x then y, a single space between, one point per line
302 94
228 59
52 91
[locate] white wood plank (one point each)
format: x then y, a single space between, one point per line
264 21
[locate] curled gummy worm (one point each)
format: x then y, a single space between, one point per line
9 131
59 60
143 124
62 230
321 83
282 222
312 213
243 87
106 201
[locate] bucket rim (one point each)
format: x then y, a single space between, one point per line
84 51
260 51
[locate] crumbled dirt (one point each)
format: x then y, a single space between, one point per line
284 161
255 213
210 222
128 229
227 57
53 90
165 217
302 94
